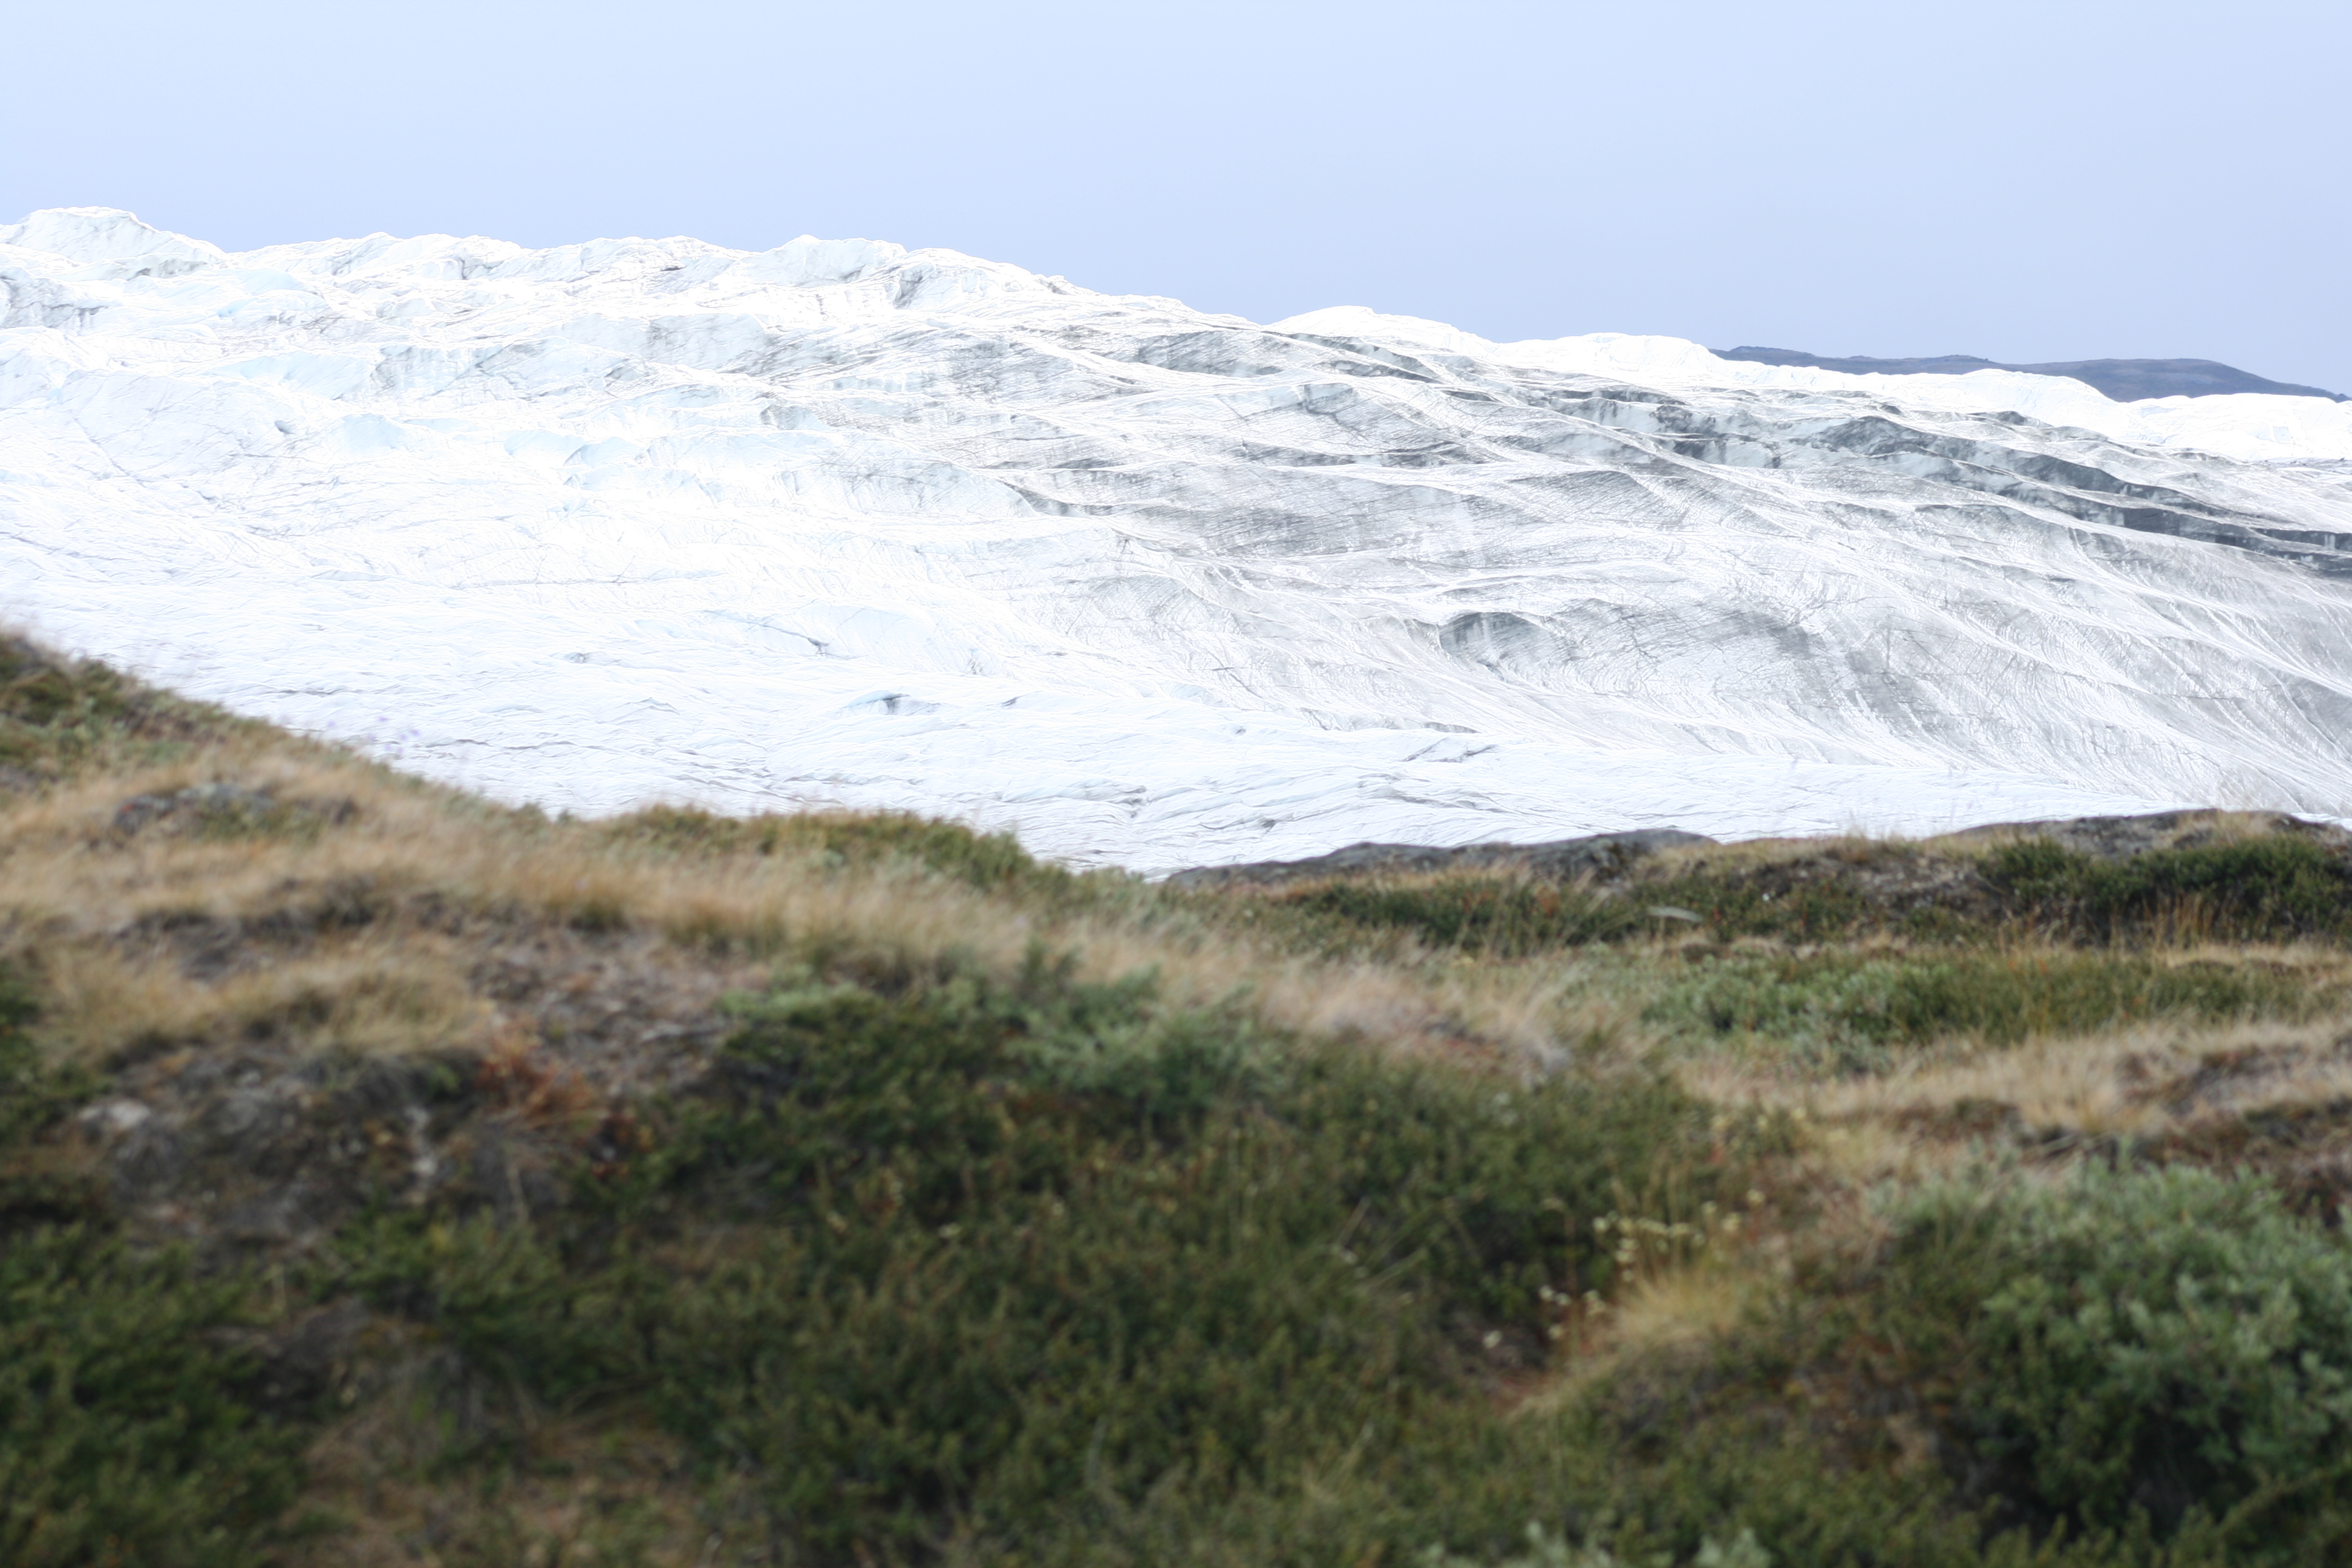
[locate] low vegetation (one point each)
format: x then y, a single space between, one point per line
387 1176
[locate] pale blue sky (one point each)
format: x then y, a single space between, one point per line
2023 181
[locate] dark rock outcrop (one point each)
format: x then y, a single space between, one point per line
2120 838
1608 856
1561 859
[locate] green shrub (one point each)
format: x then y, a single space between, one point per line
1500 917
2270 888
957 1258
125 1436
1829 903
29 1095
2170 1342
1664 1468
1549 1551
1852 1012
33 1095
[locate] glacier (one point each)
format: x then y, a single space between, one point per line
839 522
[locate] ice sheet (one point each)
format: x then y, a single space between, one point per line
642 519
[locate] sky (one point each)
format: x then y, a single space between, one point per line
2067 179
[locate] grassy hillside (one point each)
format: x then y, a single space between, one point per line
390 1177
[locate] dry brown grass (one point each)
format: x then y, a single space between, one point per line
2219 827
1858 848
365 935
1674 1312
404 992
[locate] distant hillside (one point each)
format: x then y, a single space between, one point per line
2124 379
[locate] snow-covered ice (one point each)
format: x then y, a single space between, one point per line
641 520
